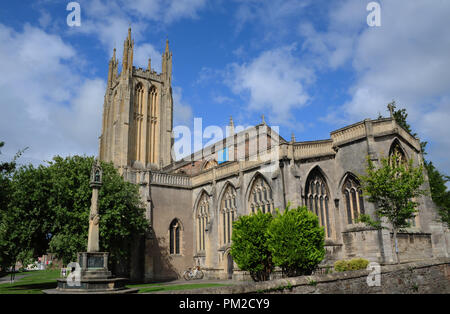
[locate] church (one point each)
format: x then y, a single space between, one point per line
192 203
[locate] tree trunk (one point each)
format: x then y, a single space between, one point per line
396 246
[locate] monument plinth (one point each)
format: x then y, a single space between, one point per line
90 274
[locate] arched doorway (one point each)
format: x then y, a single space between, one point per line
229 266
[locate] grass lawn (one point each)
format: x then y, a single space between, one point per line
146 288
33 283
36 281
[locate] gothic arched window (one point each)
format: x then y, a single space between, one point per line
398 157
227 214
175 237
319 199
354 200
202 219
260 196
210 164
138 118
152 124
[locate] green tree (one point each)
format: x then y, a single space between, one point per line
437 180
249 245
400 117
296 241
439 193
7 170
8 249
392 187
49 210
27 219
120 208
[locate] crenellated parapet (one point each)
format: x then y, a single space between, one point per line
306 150
372 128
147 74
144 177
364 130
348 134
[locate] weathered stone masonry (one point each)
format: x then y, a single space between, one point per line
191 204
418 277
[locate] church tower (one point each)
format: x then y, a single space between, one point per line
137 113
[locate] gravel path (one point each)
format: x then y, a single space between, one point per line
7 278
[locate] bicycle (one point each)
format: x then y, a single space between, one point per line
193 273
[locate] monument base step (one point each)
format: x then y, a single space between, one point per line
92 285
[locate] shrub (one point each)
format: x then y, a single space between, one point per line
341 265
296 241
249 245
358 263
354 264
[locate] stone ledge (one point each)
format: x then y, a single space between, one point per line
287 284
122 291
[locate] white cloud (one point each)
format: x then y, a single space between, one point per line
33 59
181 110
274 16
335 46
150 9
81 121
45 105
274 83
220 99
145 51
109 20
183 9
206 75
45 19
405 59
164 11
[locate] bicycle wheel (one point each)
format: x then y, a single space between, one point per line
187 275
199 274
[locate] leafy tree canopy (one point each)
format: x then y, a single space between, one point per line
50 205
296 241
249 246
393 187
437 180
439 193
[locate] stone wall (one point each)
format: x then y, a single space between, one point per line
432 276
414 246
176 196
362 243
169 203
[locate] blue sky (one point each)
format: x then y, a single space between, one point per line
309 66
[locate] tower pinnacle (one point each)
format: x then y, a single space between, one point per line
231 127
127 60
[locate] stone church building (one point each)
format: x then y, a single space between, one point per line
192 203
